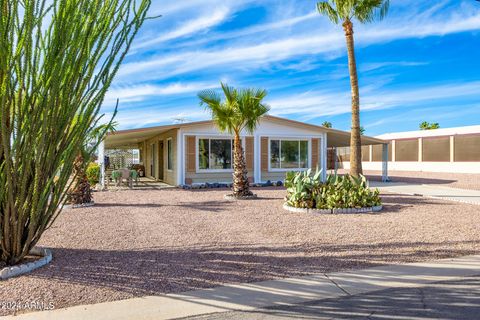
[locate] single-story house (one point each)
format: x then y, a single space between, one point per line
197 152
455 150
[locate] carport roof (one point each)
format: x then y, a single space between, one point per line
130 138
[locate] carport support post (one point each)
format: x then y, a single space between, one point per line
385 162
101 162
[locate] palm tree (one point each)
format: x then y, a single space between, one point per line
428 126
240 111
327 124
345 11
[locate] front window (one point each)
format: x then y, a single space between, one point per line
215 154
288 154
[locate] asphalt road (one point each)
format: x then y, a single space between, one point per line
457 300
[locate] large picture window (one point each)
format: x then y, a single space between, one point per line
215 154
288 154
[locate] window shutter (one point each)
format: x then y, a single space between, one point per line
315 149
249 153
264 151
190 147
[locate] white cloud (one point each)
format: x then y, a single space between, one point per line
132 118
193 26
371 66
135 93
326 103
247 55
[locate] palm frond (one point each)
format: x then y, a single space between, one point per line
252 108
241 109
325 8
230 93
362 10
221 111
369 10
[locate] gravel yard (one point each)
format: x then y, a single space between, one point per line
147 242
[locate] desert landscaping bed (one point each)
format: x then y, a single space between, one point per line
147 242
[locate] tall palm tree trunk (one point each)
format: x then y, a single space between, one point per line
241 187
355 142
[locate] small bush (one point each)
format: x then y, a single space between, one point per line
93 173
305 190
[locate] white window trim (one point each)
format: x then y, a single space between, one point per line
171 143
309 155
213 137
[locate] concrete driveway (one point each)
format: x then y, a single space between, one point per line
459 299
430 191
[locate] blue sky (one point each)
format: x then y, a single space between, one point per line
420 63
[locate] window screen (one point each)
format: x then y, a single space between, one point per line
288 154
214 154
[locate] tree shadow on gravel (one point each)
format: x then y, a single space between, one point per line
397 202
154 271
210 206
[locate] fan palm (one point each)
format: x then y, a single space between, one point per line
344 12
240 111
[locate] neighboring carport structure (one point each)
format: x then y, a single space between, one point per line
340 140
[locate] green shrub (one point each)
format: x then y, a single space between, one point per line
305 190
93 173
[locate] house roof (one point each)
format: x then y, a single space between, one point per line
131 137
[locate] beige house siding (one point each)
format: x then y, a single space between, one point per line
169 176
191 174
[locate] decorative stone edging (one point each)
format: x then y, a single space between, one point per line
232 197
332 211
10 272
76 206
215 185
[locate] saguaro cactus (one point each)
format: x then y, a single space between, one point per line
57 60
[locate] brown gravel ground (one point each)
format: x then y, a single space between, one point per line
147 242
469 181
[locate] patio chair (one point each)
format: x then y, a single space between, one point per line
122 175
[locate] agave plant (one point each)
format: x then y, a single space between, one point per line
305 190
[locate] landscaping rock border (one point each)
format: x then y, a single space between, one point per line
208 185
333 211
76 206
232 197
10 272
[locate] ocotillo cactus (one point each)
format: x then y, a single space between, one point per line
56 64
